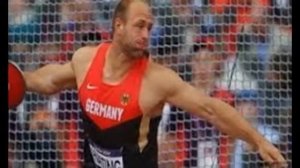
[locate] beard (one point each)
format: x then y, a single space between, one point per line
133 52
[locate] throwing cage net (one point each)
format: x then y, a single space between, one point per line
236 50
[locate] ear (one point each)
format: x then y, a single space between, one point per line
119 24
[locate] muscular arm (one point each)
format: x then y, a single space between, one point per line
53 78
220 114
217 112
50 78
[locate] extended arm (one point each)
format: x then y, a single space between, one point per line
50 78
220 114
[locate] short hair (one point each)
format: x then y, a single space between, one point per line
121 11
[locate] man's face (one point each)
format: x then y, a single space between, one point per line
135 31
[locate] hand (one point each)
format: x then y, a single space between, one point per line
271 155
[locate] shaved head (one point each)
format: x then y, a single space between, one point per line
132 24
121 11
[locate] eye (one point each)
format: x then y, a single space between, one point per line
149 27
140 25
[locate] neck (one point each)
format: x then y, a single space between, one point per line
117 63
117 58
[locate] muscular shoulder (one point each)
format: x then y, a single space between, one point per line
164 79
83 54
81 60
157 71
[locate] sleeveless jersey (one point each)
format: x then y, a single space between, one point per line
117 134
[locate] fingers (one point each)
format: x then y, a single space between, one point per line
274 159
278 159
266 157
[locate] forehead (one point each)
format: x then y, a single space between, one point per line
139 11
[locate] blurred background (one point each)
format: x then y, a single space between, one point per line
237 50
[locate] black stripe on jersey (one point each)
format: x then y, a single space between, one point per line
126 136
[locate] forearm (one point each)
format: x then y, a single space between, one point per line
229 121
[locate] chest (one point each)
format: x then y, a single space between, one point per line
111 105
136 99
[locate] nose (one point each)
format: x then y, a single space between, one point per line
145 34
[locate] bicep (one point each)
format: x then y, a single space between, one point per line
189 98
181 94
63 76
52 78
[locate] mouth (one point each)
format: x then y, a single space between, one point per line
141 45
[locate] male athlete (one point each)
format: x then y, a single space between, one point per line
122 93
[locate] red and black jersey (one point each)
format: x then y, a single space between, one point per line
113 121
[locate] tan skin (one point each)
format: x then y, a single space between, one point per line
133 34
204 66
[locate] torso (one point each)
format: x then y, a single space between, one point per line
149 100
136 129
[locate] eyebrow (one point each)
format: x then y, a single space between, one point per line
144 21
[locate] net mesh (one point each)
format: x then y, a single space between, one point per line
236 50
